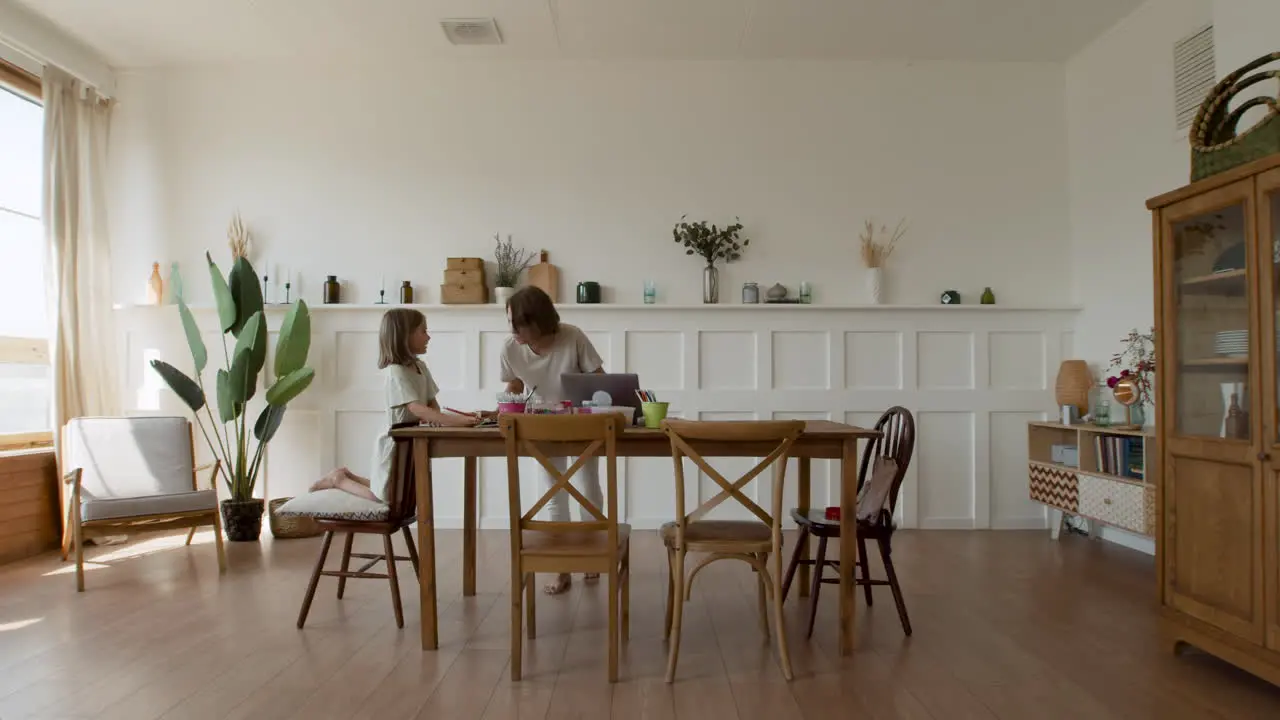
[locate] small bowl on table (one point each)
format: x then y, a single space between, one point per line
511 408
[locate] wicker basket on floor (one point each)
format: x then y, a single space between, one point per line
287 527
1215 144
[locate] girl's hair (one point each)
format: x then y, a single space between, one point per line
393 339
531 307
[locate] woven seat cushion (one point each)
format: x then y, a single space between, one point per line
335 504
744 531
92 508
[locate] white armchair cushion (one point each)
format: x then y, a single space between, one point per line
126 507
130 457
336 505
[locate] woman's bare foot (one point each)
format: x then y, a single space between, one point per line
559 585
331 480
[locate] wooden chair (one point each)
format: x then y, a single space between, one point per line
752 541
880 475
401 513
130 475
600 545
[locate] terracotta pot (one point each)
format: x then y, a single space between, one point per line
1073 383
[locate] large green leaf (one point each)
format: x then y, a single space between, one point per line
226 398
290 386
246 290
198 351
268 423
221 296
182 386
244 380
295 340
248 338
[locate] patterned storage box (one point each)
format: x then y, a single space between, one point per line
1054 486
1149 509
1112 502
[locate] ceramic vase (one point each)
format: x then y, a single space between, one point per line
502 294
875 285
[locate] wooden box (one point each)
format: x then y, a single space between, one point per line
463 277
464 294
466 264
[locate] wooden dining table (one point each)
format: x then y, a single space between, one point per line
822 439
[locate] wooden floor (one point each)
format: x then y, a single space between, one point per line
1007 625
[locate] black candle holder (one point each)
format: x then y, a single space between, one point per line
286 292
382 297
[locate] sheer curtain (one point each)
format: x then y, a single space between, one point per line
82 341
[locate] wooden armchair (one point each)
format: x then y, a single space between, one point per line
755 542
600 545
134 475
401 512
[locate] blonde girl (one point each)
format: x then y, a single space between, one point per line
410 396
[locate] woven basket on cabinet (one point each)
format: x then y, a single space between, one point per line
1215 145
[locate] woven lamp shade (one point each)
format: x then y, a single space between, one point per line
1072 386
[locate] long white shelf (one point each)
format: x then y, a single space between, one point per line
657 307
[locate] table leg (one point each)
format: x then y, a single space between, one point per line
803 496
426 543
469 522
848 541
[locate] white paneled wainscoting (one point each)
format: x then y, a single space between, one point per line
972 376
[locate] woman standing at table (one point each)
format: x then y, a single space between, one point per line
539 351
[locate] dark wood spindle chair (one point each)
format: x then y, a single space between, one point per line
893 448
402 513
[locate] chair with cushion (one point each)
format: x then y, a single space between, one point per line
757 542
132 475
337 511
599 545
883 468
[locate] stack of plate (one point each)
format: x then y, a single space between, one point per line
1231 342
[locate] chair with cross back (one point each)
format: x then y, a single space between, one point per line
599 544
758 542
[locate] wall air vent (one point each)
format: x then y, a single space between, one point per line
1193 74
472 31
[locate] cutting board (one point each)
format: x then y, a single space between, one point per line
546 276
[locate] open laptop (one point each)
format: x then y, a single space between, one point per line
622 387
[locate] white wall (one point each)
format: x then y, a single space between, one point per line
360 170
38 41
1246 30
1123 148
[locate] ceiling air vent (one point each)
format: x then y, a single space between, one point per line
472 31
1193 74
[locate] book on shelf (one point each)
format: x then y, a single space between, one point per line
1119 456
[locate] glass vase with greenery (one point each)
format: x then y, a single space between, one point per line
712 243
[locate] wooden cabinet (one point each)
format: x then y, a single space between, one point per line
1217 474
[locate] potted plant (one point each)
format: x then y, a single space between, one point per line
712 243
875 253
511 262
1136 363
239 303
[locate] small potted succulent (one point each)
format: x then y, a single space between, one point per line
712 243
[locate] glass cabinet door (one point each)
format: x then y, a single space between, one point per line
1269 236
1210 259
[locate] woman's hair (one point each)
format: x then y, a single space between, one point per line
393 339
531 307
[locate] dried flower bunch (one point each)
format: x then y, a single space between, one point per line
876 252
711 242
238 238
1137 360
511 262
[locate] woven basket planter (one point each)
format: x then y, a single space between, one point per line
1215 144
287 527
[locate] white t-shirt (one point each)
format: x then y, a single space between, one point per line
570 352
403 384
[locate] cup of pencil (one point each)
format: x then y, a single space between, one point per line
654 412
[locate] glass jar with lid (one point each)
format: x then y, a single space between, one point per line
750 293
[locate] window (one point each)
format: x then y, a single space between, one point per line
26 387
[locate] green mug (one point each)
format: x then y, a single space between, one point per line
654 413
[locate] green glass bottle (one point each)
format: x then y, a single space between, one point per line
988 297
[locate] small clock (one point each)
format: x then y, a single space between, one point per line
951 297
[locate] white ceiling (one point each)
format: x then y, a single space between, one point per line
144 33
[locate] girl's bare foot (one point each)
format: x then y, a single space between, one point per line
559 585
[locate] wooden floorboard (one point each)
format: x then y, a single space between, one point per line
1008 626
